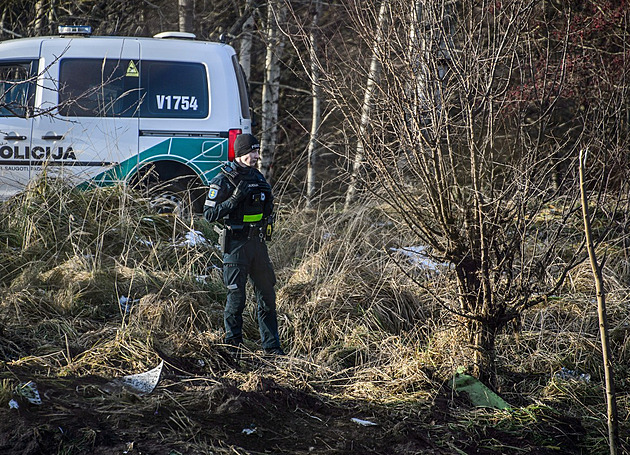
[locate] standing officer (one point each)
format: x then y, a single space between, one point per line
241 199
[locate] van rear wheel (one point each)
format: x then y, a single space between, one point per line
176 198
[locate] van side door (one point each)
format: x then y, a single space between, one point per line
18 72
90 89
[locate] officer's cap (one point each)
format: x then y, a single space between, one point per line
244 144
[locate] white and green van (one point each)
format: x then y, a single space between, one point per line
162 111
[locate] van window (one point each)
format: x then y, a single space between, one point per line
98 88
243 89
174 89
17 82
131 88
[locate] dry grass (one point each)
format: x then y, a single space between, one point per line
357 328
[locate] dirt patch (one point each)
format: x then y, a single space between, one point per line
243 410
181 416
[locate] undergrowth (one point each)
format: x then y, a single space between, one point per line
93 284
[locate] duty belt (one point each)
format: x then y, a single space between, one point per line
247 231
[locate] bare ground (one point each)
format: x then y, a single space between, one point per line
240 408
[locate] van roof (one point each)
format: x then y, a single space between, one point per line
164 37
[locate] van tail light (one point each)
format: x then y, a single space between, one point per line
231 138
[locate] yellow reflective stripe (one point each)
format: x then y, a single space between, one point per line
252 218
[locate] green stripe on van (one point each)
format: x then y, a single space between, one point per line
203 155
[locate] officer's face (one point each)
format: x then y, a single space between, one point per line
250 159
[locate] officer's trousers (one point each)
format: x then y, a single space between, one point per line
248 258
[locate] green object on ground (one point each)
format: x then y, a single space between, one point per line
479 394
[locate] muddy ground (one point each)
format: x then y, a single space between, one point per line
239 407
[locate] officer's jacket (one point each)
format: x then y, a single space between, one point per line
254 210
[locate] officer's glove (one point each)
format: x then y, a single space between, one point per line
241 192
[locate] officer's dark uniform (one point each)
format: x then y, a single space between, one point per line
240 197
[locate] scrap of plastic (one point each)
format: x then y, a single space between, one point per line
126 303
572 375
249 430
418 257
194 238
13 404
365 423
29 391
143 383
479 394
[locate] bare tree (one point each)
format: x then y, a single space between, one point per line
463 159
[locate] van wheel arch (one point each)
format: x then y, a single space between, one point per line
170 183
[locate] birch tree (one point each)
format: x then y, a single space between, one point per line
245 49
316 94
366 108
186 12
275 41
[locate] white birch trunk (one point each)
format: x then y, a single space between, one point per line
276 15
186 14
313 149
372 81
40 14
245 50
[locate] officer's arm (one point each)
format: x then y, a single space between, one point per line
218 202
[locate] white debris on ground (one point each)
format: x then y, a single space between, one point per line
193 238
418 257
143 383
365 423
126 303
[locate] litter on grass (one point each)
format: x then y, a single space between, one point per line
143 383
571 375
29 391
126 303
418 257
250 430
193 238
480 395
365 423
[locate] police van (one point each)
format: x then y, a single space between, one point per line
162 112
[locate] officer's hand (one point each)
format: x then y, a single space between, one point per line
241 192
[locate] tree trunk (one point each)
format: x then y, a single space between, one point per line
483 343
245 51
186 15
276 15
316 94
40 15
611 400
370 88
